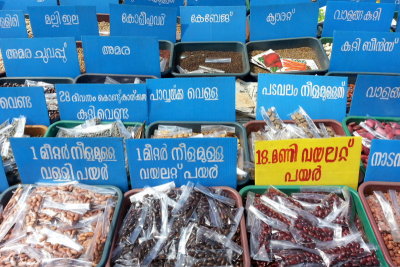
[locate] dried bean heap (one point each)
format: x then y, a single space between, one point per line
187 226
49 225
314 227
385 207
193 60
373 129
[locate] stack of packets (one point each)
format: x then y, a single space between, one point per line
272 62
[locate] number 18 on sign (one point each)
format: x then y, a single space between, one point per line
326 161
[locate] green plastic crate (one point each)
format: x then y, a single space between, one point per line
326 40
288 189
357 119
53 129
6 196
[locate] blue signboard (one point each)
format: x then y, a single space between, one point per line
3 180
209 161
63 21
192 99
23 4
396 2
323 97
169 3
357 16
283 20
108 102
12 24
376 95
216 3
384 161
218 23
121 55
102 6
264 2
44 57
365 52
129 20
95 161
27 101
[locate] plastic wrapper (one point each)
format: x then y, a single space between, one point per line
304 121
272 119
187 226
51 98
298 229
110 80
172 131
38 222
93 128
391 218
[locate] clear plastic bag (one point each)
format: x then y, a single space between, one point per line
302 120
391 219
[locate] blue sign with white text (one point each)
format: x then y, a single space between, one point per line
264 2
23 4
213 23
108 102
357 16
94 161
121 55
216 3
283 20
365 52
384 161
130 20
27 101
12 24
174 3
323 97
63 21
44 57
376 95
102 6
396 2
209 161
3 180
192 99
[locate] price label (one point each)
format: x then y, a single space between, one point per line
384 161
213 23
130 20
63 21
357 16
24 101
192 99
376 95
121 55
283 20
12 24
323 97
95 161
209 161
108 102
43 57
102 6
365 52
327 161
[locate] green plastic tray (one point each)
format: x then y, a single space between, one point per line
258 189
357 119
325 40
6 195
53 129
